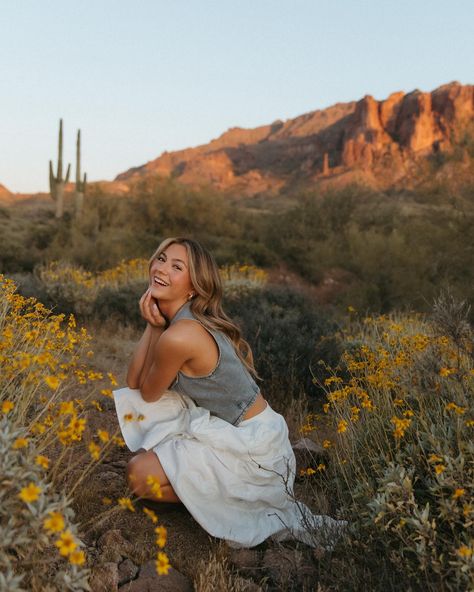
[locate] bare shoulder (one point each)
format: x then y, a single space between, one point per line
185 333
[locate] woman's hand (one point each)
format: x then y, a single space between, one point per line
150 311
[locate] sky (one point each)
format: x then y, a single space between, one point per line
144 76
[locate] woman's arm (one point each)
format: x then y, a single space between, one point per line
142 356
167 355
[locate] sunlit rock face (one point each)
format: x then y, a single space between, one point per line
369 140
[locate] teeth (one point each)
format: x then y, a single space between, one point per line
160 281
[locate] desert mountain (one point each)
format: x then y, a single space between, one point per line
5 195
377 142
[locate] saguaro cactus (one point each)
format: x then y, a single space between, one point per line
57 183
80 185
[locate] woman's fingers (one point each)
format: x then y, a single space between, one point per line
145 305
158 319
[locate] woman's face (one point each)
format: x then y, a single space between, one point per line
169 275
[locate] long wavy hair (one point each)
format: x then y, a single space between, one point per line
206 305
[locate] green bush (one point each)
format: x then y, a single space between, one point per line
288 335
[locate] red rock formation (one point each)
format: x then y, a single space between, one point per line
379 139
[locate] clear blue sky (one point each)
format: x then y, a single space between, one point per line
143 76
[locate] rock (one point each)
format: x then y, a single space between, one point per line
127 570
149 581
307 444
104 578
282 565
246 561
113 547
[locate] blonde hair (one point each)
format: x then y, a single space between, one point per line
207 302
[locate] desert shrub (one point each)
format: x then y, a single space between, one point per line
72 289
34 519
47 389
402 465
288 334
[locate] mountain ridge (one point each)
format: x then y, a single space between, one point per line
373 141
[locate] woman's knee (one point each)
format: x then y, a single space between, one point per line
136 477
140 468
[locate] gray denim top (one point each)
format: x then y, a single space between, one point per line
229 390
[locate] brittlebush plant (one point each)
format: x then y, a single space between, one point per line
85 293
40 549
47 388
402 462
44 363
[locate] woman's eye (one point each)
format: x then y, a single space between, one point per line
177 267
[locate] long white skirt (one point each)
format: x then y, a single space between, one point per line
236 481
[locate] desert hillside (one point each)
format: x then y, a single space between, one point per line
375 142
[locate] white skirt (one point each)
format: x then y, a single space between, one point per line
236 481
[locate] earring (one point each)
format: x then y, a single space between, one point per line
191 296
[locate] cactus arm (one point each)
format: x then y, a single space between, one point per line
78 157
60 150
67 173
52 186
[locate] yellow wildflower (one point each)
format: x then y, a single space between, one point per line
66 408
42 461
103 435
470 423
94 450
327 444
321 467
161 536
153 517
446 371
30 493
113 380
155 485
439 469
97 405
342 426
20 443
126 504
464 551
459 492
119 441
106 392
401 426
55 522
7 406
326 407
434 458
162 564
77 557
52 381
66 543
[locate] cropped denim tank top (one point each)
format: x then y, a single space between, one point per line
229 390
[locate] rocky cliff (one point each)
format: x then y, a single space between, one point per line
376 142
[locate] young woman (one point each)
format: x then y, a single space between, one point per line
196 415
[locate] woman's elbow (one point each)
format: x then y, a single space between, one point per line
149 395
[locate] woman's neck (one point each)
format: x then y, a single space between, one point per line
169 309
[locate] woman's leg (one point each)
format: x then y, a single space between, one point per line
139 468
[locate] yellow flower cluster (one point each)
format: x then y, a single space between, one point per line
162 562
401 425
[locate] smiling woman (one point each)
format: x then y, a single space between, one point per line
196 415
